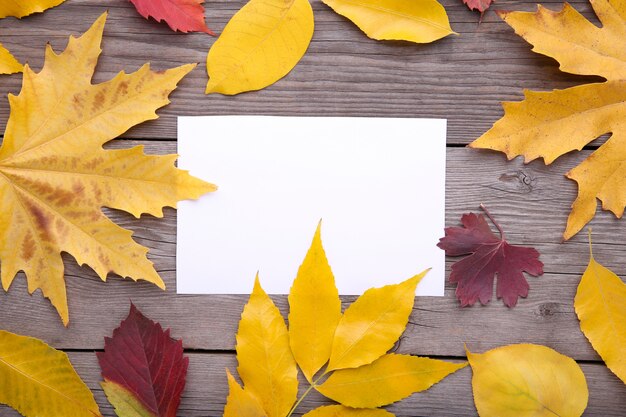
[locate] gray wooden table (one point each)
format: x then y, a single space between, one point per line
460 78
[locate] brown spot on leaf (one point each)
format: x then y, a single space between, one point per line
98 102
28 247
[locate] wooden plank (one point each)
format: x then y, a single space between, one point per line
206 390
530 202
344 73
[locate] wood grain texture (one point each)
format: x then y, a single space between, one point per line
461 78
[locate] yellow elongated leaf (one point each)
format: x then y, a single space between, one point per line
600 304
21 8
241 403
386 380
314 310
266 364
260 45
55 176
420 21
341 411
38 380
124 402
527 380
8 63
372 324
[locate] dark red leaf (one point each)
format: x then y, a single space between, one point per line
489 255
147 362
480 5
182 15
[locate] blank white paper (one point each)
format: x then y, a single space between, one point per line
377 184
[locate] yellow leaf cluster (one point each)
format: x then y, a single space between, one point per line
527 381
549 124
39 381
55 176
353 346
600 304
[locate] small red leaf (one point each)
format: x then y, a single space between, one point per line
181 15
480 5
489 255
147 362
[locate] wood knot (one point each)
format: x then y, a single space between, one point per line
548 309
518 182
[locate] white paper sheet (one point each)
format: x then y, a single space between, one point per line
378 184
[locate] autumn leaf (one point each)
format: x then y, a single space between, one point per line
241 402
143 368
251 56
527 381
549 124
8 63
39 381
480 5
22 8
56 176
489 255
342 411
180 15
421 22
600 305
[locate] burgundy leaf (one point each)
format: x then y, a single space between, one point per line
147 362
480 5
489 255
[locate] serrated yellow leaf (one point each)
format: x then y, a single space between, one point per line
548 125
241 403
8 63
124 402
372 324
314 310
341 411
259 45
600 305
266 364
527 381
39 381
420 21
21 8
386 380
55 176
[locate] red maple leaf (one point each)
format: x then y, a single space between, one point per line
181 15
490 255
143 361
480 5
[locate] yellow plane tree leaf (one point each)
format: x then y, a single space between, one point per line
21 8
420 21
8 63
549 124
39 381
240 402
527 381
260 45
386 380
600 304
266 364
314 310
372 324
55 176
341 411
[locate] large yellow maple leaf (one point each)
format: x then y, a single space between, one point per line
549 124
55 176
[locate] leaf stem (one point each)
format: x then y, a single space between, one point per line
590 247
482 206
313 385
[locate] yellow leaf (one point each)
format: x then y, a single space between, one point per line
260 45
372 324
241 403
21 8
315 310
8 63
38 380
420 21
341 411
55 177
600 304
266 364
548 125
527 381
386 380
123 401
